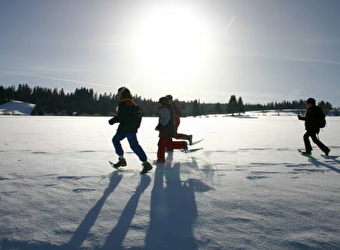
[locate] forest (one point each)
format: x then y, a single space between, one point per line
84 101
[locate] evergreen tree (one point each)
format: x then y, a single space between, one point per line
232 105
2 95
336 111
196 108
218 108
326 107
24 93
86 101
240 106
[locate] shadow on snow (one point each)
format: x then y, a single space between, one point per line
322 164
173 210
89 220
173 213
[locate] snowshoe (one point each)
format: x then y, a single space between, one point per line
305 153
121 163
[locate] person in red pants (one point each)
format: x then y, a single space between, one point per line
167 130
177 115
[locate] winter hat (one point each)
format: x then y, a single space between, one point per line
121 90
124 92
169 97
311 101
164 100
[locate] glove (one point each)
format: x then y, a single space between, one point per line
299 117
111 121
158 127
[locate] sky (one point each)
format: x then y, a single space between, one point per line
261 50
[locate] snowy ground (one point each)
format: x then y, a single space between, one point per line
247 189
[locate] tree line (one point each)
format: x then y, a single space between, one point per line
84 101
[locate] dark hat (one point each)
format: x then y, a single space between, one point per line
169 97
311 101
164 100
124 92
121 90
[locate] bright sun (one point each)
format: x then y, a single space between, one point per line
172 40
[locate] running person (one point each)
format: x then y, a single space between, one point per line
177 115
129 120
167 130
312 117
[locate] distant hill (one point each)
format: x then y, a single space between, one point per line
16 108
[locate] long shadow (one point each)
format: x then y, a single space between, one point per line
333 158
173 210
23 245
89 220
318 164
117 235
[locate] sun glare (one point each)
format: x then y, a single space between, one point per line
172 40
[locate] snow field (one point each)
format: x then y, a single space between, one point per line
247 189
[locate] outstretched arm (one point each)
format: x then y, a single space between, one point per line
121 116
113 120
302 118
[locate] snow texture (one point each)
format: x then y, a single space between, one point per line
16 108
249 188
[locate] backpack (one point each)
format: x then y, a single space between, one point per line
136 117
321 119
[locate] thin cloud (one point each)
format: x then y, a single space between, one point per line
71 80
313 60
244 53
9 40
299 59
22 73
228 26
56 41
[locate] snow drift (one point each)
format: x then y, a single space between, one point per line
16 108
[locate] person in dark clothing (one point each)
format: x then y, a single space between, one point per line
177 118
167 130
312 125
129 119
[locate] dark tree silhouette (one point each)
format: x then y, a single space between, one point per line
85 101
232 105
240 106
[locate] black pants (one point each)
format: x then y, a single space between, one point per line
315 139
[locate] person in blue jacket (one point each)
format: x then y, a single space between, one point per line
129 119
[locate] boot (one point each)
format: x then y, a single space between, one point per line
121 163
146 167
189 138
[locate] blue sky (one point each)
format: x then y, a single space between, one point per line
262 50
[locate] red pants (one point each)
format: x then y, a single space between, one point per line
179 136
167 143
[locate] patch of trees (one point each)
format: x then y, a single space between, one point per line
85 101
82 101
279 106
